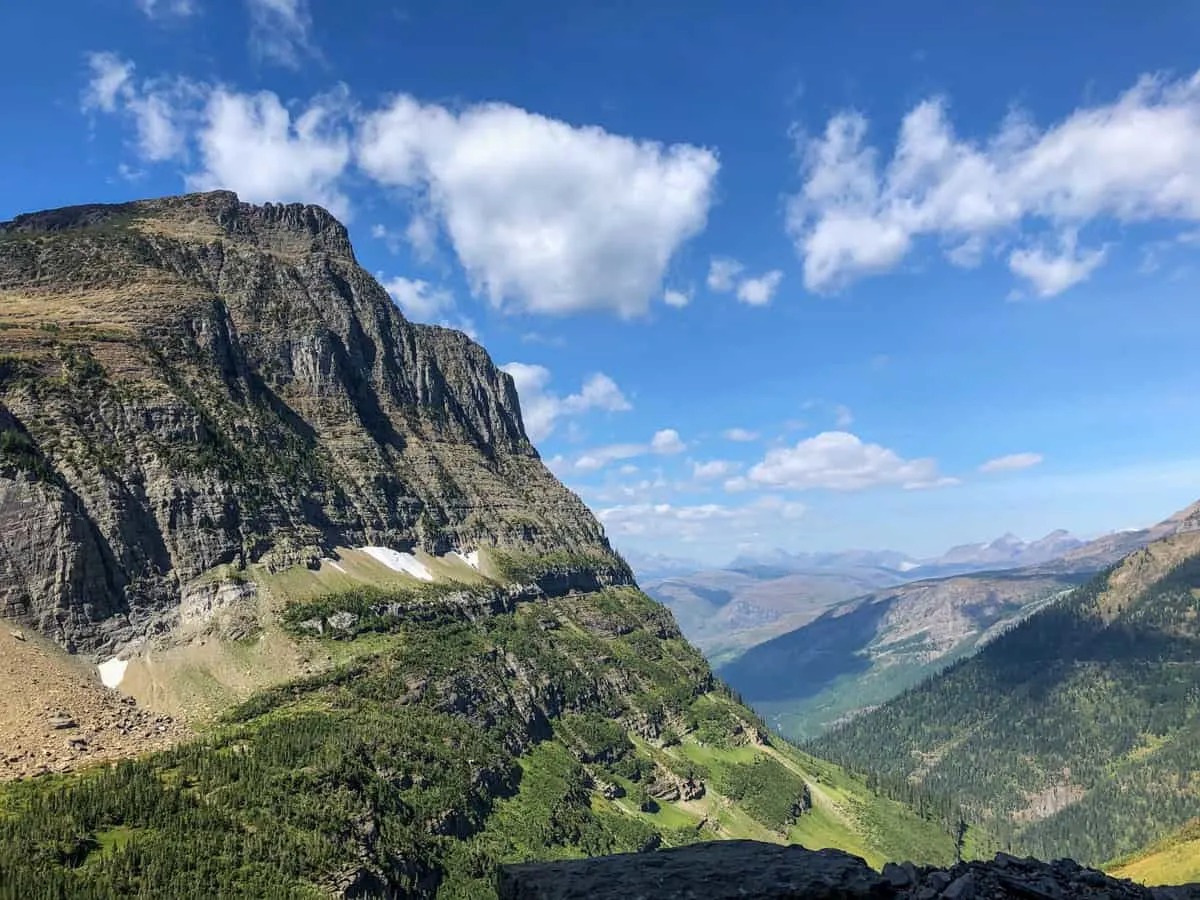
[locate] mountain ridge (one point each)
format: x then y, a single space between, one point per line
261 359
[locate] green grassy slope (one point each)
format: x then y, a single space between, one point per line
1174 860
472 728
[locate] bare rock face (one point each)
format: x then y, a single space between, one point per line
195 381
748 870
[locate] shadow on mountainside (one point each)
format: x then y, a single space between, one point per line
802 663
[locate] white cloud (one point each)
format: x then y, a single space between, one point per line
541 409
667 442
1012 462
840 461
714 468
1052 274
537 337
705 521
158 108
600 457
1135 159
111 79
544 216
280 31
248 143
759 291
842 416
722 274
419 300
740 434
421 234
677 299
629 469
252 144
161 9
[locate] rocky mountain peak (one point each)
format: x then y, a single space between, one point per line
294 227
192 382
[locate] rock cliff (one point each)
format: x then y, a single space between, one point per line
194 382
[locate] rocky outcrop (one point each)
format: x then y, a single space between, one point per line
747 870
194 382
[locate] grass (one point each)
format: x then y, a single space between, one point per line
1175 860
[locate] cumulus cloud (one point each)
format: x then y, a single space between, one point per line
1135 159
677 299
249 143
665 442
713 468
1011 463
421 234
419 300
600 457
542 409
696 522
543 215
725 276
111 79
280 31
759 291
740 434
159 108
722 274
839 461
161 9
254 145
1052 273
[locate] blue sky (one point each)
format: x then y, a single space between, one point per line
808 275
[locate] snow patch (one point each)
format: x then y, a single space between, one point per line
400 562
112 671
471 559
907 566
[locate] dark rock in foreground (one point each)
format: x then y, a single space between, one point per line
748 870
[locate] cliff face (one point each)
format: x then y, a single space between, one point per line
194 382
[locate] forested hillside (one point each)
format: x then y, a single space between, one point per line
464 728
1075 734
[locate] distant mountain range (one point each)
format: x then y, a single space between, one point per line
763 593
1007 551
810 639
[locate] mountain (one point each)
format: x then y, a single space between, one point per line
762 594
651 566
857 654
865 651
249 511
726 611
840 560
1077 732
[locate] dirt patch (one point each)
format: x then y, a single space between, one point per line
56 716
